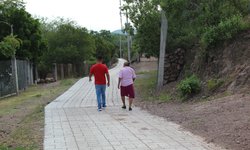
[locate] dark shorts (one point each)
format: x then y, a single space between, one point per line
128 91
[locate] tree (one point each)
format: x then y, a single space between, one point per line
9 45
68 43
195 22
203 22
105 45
145 17
25 28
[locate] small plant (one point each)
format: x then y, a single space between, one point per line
189 85
213 84
164 97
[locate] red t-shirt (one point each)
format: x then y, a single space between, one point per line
99 71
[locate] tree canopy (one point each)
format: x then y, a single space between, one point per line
105 44
25 27
193 22
146 20
9 45
68 43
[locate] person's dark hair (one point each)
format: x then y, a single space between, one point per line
99 58
127 64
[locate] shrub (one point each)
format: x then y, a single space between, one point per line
213 84
189 85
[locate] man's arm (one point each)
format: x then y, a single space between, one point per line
91 71
119 82
134 75
90 75
108 78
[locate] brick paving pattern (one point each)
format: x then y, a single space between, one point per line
72 122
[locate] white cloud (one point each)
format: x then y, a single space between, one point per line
92 14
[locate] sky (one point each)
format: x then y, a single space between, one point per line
92 14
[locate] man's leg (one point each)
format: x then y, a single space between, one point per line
123 101
103 96
131 96
130 103
98 95
122 90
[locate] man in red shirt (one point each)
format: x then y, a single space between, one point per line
100 71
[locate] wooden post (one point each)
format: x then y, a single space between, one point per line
62 72
55 71
164 28
14 71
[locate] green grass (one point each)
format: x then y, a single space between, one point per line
67 82
164 97
27 135
17 148
10 105
146 88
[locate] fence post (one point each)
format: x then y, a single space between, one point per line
69 66
36 73
55 71
62 71
86 68
31 73
14 72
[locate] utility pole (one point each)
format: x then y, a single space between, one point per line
128 37
164 28
121 29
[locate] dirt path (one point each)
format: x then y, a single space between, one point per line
224 121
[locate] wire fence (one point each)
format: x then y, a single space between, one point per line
8 79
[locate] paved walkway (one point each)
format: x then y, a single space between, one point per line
72 122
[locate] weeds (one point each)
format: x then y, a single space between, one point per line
146 88
28 111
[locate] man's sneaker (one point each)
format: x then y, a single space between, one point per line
99 109
130 109
104 106
124 107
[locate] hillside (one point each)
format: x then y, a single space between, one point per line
229 63
220 112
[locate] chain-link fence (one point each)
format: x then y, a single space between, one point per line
24 73
7 76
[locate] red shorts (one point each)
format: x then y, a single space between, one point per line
128 91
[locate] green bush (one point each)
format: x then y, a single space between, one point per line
189 85
213 84
225 30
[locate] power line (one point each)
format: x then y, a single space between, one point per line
121 29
